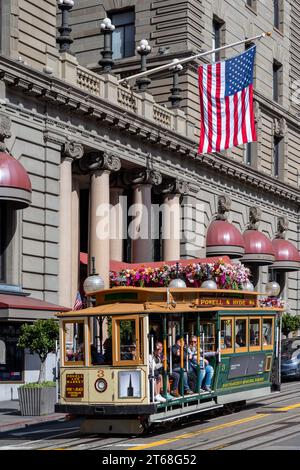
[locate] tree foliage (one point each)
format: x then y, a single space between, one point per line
39 338
290 323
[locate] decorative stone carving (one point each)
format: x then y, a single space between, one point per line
173 186
143 176
280 127
95 161
224 206
282 227
73 150
255 215
5 126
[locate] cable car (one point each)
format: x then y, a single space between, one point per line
108 355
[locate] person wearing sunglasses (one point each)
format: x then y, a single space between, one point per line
206 370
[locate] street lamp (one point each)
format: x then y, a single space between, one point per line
175 97
107 28
272 289
64 40
143 50
94 282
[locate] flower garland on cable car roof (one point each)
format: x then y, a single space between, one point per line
227 276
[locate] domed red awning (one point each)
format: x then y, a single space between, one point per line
15 185
223 239
287 257
258 248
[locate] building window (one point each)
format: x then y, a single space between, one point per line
277 150
277 4
251 4
218 28
11 357
248 151
3 236
123 38
277 81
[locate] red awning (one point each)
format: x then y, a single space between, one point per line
118 265
28 303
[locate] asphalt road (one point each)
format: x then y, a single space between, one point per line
272 423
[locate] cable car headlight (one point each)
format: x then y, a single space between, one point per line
101 385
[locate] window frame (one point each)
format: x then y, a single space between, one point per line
268 347
86 352
259 347
228 350
277 153
277 81
116 361
246 348
111 15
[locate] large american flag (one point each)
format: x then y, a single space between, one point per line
226 103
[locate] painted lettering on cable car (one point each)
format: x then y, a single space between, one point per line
74 386
226 302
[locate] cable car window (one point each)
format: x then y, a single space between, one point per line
101 347
227 334
74 344
268 333
126 346
255 335
241 340
208 328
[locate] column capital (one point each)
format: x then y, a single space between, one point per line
73 150
95 161
143 176
173 186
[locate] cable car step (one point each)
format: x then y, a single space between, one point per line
178 413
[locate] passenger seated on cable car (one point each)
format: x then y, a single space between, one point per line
240 341
227 342
176 348
130 353
79 354
106 356
156 366
206 370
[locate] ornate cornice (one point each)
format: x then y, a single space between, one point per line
173 186
142 176
73 150
250 176
95 161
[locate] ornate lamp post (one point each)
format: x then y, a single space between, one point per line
175 97
143 50
64 40
94 282
107 28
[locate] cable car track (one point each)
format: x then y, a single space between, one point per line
103 442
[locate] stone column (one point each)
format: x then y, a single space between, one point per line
140 228
116 224
72 151
75 236
100 165
172 190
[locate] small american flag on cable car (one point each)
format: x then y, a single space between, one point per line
78 302
226 103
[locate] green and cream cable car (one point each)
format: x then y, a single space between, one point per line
106 373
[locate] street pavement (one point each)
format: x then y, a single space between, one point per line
271 423
10 417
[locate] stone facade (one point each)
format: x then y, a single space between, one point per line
62 110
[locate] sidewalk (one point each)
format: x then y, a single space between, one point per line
10 417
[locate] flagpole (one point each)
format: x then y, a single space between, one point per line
193 57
